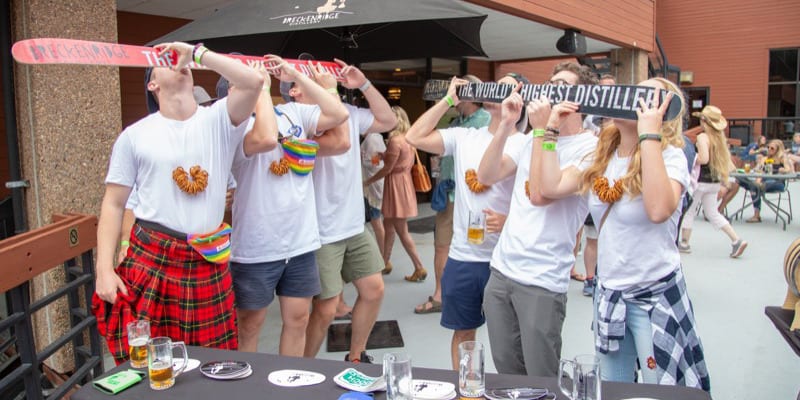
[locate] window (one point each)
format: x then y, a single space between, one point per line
782 91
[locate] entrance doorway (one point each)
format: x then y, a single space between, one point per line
697 98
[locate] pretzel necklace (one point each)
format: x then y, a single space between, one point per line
198 182
604 192
471 178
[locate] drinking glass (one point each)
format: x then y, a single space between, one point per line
476 227
397 372
585 377
138 335
159 362
471 377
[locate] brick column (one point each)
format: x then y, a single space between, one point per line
68 117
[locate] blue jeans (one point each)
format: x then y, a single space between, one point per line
770 186
620 365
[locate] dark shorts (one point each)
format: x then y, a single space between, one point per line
462 294
374 213
255 285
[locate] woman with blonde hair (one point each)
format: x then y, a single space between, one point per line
399 196
634 185
714 160
781 163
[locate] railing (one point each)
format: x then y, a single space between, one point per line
781 128
67 244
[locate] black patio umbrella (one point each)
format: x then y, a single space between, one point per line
353 30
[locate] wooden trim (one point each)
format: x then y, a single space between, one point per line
29 254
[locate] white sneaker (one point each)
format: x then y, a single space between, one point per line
684 247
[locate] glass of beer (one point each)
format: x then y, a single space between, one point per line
159 362
138 335
476 227
746 168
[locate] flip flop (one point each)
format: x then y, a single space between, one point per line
344 317
577 277
436 306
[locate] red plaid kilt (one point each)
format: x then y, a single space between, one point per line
184 296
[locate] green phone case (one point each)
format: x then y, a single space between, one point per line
118 382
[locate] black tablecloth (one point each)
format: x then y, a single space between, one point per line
194 386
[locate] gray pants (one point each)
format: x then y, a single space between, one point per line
524 325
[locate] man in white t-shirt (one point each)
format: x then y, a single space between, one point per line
348 252
153 155
275 229
525 299
467 269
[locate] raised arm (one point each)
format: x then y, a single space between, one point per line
264 135
332 111
385 120
334 141
247 81
555 183
423 134
661 195
495 165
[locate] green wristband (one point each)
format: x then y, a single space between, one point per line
538 133
125 243
549 146
649 136
449 100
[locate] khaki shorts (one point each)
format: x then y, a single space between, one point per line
348 259
443 231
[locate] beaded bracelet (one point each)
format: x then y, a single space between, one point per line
554 130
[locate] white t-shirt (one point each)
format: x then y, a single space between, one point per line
373 143
133 198
467 146
273 216
631 250
147 152
338 184
535 247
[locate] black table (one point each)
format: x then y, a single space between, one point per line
194 386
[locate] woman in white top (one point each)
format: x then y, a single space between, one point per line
634 186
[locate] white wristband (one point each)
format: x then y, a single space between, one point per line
365 86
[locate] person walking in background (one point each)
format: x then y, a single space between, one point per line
373 149
778 158
634 185
399 196
715 161
470 115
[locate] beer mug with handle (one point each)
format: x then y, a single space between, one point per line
585 377
159 362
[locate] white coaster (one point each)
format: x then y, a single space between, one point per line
423 389
294 378
177 363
